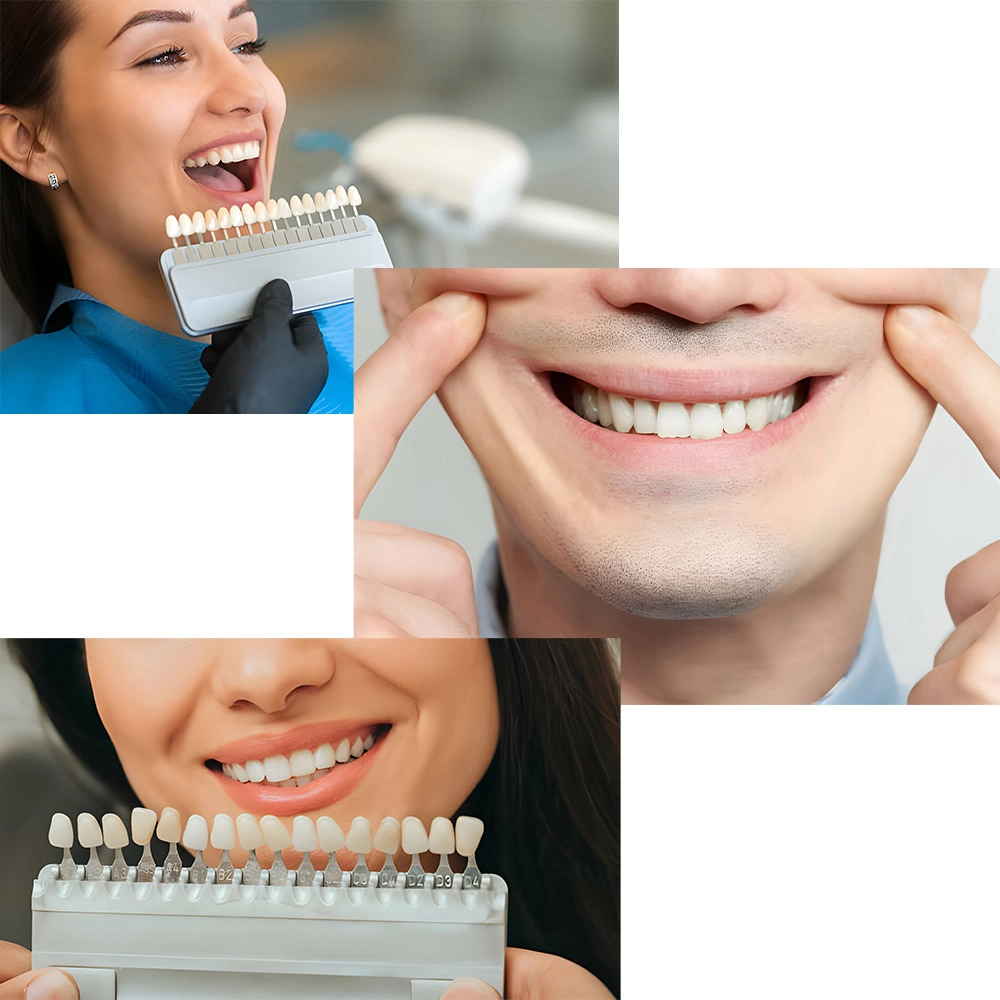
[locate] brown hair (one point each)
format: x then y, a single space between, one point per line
32 258
550 798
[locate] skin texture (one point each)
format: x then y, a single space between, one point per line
698 565
121 130
169 703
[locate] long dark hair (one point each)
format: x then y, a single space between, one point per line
550 799
31 254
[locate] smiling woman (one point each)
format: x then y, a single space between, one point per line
523 735
115 116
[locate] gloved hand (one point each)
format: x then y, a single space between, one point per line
277 363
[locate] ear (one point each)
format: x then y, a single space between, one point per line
22 149
394 284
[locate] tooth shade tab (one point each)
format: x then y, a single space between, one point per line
249 215
169 827
414 836
250 834
304 837
441 839
276 836
198 222
354 198
223 833
468 833
195 836
89 831
173 228
387 836
672 419
331 837
115 834
359 837
308 205
61 831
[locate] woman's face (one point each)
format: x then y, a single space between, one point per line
140 91
178 709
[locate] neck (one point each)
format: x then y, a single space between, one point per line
130 284
790 651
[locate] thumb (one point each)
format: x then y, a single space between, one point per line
468 988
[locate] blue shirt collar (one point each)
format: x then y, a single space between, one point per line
869 680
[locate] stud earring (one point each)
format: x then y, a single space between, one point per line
53 182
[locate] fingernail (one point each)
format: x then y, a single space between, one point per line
51 985
453 303
914 317
468 988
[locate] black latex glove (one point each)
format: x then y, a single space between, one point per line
275 364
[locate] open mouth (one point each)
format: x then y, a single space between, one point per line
225 168
303 766
676 418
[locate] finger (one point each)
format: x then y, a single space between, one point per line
14 960
271 311
419 563
953 291
394 285
968 633
222 340
973 678
396 381
411 614
468 988
953 368
306 334
44 984
973 583
531 974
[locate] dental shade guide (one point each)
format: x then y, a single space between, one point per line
251 838
169 830
277 839
214 282
341 938
195 839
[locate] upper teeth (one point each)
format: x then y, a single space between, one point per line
681 420
226 154
302 766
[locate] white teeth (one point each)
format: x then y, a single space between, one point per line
734 416
275 835
414 835
143 825
331 837
225 154
680 420
195 833
644 413
223 833
468 833
277 768
673 420
621 413
115 834
706 421
302 766
441 839
304 835
88 830
359 837
302 763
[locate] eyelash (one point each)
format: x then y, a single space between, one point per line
176 54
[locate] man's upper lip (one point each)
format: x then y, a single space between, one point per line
257 135
306 737
693 385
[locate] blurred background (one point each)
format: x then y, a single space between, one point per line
544 71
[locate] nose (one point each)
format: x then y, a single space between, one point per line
270 673
234 87
701 295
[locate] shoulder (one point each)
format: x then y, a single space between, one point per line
57 373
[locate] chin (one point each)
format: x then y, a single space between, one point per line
708 576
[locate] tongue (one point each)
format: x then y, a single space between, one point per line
216 177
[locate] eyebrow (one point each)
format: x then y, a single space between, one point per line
173 16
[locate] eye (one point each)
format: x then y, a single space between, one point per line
169 57
251 48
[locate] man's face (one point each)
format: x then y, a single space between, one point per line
729 517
